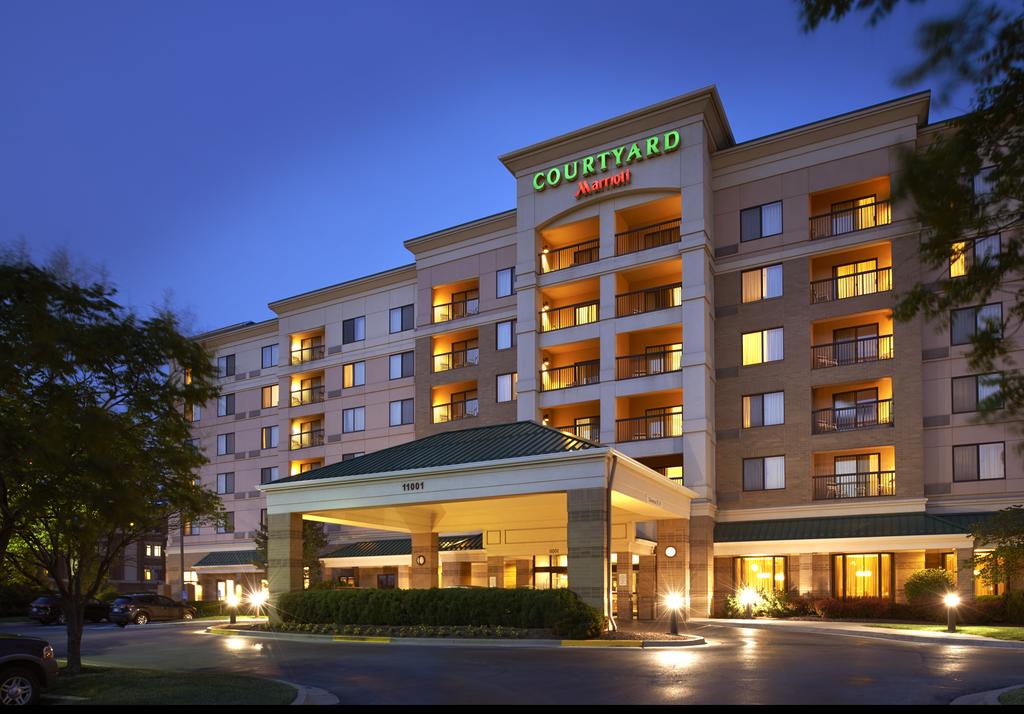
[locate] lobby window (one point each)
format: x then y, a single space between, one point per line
506 279
507 384
226 405
353 330
765 573
228 524
762 283
973 389
352 455
268 437
550 572
225 444
983 184
965 323
968 253
226 366
763 409
353 419
226 483
269 356
506 334
400 365
979 462
271 395
268 474
762 346
764 473
353 374
862 575
401 319
400 412
761 221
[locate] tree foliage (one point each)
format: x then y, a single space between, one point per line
1002 535
314 540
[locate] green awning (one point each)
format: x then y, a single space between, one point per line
227 557
879 525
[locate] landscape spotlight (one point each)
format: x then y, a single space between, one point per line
674 603
258 598
951 600
232 602
748 597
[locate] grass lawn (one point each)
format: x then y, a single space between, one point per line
996 632
1014 696
116 685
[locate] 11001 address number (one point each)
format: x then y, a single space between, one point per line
414 486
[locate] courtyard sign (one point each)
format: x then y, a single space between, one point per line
603 162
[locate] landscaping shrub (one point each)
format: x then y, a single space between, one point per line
16 597
772 604
560 611
985 610
1015 608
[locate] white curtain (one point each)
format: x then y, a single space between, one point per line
990 461
988 384
775 472
771 219
773 344
773 281
774 408
990 314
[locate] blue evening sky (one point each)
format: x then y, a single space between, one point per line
239 152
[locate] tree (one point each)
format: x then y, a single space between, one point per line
314 540
93 427
1003 532
968 183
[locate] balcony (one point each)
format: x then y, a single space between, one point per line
665 423
649 300
831 487
648 363
849 219
851 285
862 415
305 354
307 395
589 430
646 237
456 359
855 351
573 375
552 259
454 411
457 309
306 439
559 318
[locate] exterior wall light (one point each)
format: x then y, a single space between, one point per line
420 560
670 551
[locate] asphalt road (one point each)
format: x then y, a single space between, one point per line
737 666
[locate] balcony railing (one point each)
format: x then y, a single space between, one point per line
859 485
570 255
649 363
307 354
455 411
853 285
309 395
591 431
569 316
456 359
848 220
652 426
573 375
652 236
861 416
862 349
305 439
649 300
455 310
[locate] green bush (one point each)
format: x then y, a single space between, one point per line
1015 608
928 586
560 611
771 604
15 598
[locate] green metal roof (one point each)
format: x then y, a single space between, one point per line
464 446
227 557
403 546
884 524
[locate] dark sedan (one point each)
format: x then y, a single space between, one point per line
48 609
147 607
27 667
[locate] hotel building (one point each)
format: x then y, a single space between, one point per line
673 365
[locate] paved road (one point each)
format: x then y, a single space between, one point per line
738 666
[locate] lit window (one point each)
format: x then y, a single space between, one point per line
353 375
862 575
147 574
762 346
968 253
764 573
269 437
763 409
507 387
271 395
157 551
762 283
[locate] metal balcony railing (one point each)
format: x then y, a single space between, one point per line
309 395
567 256
649 300
651 236
853 285
305 439
644 365
652 426
848 220
559 318
307 354
862 349
455 310
455 359
861 416
856 485
573 375
454 411
591 431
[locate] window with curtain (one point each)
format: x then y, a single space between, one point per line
762 346
853 279
983 181
862 575
763 409
226 483
763 573
270 396
505 334
974 462
761 221
507 386
353 419
764 473
400 412
353 375
269 356
972 389
967 253
966 322
762 283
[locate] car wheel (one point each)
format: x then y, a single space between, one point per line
187 615
141 618
18 687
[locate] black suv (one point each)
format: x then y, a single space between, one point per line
27 666
145 607
48 610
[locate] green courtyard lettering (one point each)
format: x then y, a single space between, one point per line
602 162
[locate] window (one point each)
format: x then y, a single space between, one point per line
226 405
400 412
763 410
353 455
271 395
269 356
268 474
762 283
862 575
353 419
764 474
400 365
401 318
147 574
550 572
268 437
226 366
766 573
308 466
187 528
973 389
506 334
506 282
983 181
353 375
226 483
507 384
968 253
761 221
194 443
965 323
353 330
225 444
763 346
228 524
979 462
149 551
263 516
197 412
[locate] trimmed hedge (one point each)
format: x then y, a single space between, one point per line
560 611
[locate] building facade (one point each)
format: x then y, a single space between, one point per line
719 314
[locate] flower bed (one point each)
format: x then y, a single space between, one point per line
441 631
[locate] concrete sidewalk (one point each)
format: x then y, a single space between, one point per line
857 629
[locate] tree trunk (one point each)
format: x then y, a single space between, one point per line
75 616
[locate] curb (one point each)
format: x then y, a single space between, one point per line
989 697
305 696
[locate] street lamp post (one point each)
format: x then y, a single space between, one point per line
674 602
232 601
951 600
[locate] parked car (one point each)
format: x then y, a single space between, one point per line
27 668
49 610
147 607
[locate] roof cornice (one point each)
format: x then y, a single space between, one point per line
367 283
506 220
238 332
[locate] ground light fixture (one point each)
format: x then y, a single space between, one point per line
674 603
258 598
748 597
952 600
232 603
